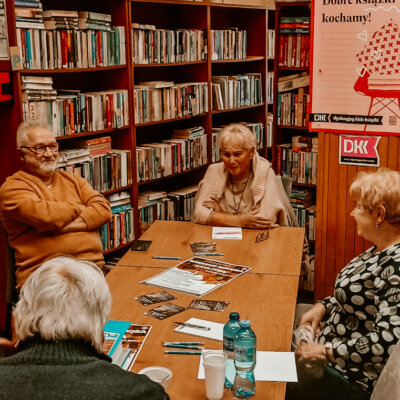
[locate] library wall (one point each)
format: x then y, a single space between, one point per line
337 240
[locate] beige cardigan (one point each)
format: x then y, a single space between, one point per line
269 198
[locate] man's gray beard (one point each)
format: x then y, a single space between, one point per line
48 168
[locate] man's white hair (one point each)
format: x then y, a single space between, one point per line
25 127
64 299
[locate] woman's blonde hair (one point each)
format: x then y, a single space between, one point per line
381 187
237 135
64 299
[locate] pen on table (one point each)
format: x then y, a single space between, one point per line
186 324
166 258
182 346
199 253
186 343
182 352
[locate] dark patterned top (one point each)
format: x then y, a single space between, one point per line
362 319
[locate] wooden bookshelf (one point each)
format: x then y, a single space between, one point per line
255 17
291 52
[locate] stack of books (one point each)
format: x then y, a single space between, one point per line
303 204
59 19
120 229
94 20
29 16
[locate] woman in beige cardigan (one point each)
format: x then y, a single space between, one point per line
242 190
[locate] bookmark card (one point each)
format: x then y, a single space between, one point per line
209 305
153 298
164 311
228 233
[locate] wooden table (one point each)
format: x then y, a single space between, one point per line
266 298
277 255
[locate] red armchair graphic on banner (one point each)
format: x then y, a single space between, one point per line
356 66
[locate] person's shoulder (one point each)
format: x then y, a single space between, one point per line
19 178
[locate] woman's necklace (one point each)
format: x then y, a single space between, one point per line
237 209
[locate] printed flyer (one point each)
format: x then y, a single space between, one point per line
197 276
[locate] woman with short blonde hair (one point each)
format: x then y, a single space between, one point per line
243 189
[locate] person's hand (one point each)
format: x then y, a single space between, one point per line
254 222
77 225
212 204
313 316
311 353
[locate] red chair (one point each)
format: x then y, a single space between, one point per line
380 99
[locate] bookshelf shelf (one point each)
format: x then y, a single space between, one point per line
303 128
116 190
238 108
68 70
164 121
188 171
294 68
177 64
243 60
91 133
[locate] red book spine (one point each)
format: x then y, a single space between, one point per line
278 160
99 49
64 50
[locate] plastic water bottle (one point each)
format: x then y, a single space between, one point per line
245 343
230 330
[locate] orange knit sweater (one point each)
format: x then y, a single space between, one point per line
32 214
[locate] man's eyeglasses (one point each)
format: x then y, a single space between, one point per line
42 149
261 236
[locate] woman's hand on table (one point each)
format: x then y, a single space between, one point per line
254 222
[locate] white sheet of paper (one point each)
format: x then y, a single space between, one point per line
215 332
272 366
226 232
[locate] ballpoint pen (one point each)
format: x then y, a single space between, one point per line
186 343
182 346
166 258
182 352
199 253
194 326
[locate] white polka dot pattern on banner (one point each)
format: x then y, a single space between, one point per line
362 319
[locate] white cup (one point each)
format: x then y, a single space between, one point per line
160 375
214 362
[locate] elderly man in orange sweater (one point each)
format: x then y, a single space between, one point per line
46 212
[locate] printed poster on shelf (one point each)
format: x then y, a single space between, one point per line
356 66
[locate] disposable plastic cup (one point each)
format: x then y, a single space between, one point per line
214 363
160 375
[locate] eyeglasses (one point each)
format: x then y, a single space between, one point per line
42 149
261 236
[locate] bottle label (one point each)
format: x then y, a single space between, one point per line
229 344
244 354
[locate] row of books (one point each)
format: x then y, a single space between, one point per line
55 49
172 156
163 100
303 204
299 24
298 163
70 111
120 229
236 91
228 44
104 168
158 46
257 128
173 206
294 50
292 107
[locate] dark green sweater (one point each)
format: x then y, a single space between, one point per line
70 370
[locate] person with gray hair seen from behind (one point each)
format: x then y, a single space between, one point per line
243 189
59 321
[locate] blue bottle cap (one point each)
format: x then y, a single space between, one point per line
245 323
234 316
